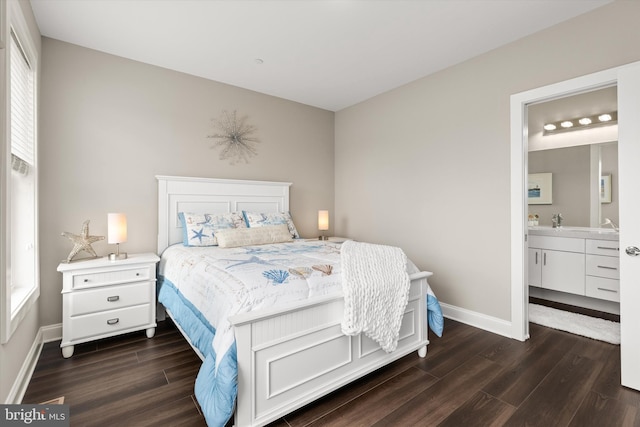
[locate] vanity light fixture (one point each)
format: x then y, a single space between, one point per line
581 123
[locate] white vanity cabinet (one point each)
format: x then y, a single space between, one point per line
603 269
561 263
535 267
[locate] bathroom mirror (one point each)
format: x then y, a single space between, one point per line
577 160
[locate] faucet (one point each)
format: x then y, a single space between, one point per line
556 220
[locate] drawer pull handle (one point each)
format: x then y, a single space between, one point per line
113 321
113 298
608 290
85 280
606 267
137 274
611 249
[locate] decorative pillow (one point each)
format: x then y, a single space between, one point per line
234 237
201 229
255 219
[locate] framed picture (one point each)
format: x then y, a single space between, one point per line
605 189
539 189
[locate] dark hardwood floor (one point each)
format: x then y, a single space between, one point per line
470 377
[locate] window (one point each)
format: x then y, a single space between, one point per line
20 201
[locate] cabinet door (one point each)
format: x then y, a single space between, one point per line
535 267
563 271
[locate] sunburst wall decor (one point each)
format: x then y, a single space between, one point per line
234 136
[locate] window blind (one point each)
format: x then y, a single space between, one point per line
22 102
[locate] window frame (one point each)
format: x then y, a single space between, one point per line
28 296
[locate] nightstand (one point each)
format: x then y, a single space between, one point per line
336 239
333 239
102 298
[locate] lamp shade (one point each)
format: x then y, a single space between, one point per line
116 228
323 220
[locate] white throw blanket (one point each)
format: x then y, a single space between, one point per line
376 284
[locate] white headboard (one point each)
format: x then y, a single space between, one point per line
210 195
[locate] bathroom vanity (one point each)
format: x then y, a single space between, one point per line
575 265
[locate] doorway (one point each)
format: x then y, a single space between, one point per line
575 158
627 78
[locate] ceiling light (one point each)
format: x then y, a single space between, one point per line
597 120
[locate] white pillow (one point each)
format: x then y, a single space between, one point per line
202 229
260 219
234 237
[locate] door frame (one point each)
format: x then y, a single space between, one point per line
519 172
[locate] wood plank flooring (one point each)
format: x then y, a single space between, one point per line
470 377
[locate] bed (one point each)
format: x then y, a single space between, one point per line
287 355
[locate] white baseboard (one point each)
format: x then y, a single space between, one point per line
26 371
45 334
478 320
51 333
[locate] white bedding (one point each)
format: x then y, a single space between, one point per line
222 282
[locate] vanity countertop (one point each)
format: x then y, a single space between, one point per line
576 232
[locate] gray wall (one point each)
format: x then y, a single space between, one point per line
108 125
427 166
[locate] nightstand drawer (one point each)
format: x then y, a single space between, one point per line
110 277
109 322
110 298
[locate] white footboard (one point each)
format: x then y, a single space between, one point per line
288 358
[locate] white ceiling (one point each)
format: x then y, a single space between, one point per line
325 53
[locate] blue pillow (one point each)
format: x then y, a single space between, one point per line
199 229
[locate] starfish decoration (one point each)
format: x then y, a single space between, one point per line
235 138
82 241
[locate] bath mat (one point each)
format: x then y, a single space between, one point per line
579 324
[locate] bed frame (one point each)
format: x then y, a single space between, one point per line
286 357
